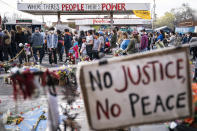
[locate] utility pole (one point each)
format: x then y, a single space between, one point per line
111 20
42 16
154 16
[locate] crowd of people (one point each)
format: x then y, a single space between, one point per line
24 44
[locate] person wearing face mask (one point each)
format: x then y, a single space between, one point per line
52 41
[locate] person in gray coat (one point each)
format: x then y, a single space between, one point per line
37 45
52 41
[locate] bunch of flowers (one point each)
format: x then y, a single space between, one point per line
63 76
118 52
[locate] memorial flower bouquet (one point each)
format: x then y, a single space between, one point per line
63 75
118 52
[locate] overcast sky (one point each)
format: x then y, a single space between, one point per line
8 7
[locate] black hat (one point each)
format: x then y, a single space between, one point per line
66 30
143 30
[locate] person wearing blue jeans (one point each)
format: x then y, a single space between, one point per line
41 52
37 45
52 42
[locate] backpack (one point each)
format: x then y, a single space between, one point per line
8 41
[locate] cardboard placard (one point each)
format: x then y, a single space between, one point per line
138 89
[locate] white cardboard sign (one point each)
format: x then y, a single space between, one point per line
138 89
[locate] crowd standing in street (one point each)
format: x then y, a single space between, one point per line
91 44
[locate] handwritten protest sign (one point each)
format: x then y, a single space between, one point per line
138 89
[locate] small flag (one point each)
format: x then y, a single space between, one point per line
144 14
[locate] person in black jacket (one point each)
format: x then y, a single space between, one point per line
28 36
13 43
82 35
60 45
67 42
1 47
114 39
20 41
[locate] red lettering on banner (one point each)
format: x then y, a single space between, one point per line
119 7
72 7
112 7
163 71
146 74
123 6
63 6
67 8
105 111
126 82
103 6
94 21
100 21
154 70
82 7
114 109
108 7
138 78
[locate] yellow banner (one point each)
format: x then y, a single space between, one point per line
144 14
